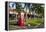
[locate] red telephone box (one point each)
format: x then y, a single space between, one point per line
21 19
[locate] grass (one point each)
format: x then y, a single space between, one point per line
33 21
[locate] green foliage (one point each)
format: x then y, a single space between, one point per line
18 7
38 8
33 22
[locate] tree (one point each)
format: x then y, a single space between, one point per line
38 8
18 7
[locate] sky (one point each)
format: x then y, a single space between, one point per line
12 5
23 4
